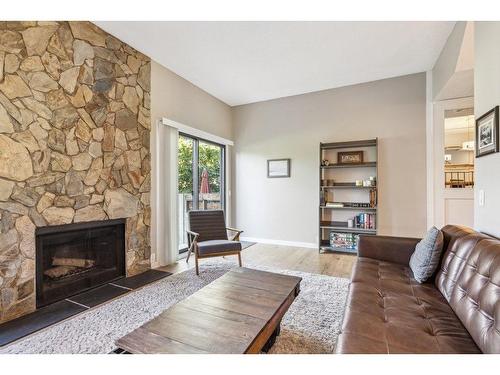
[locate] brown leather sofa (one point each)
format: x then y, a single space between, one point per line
458 311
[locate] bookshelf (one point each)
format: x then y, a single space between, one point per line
343 200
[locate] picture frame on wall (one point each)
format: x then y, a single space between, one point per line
487 133
278 168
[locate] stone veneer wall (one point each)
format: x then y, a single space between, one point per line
74 143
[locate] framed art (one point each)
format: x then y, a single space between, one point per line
350 157
487 133
277 168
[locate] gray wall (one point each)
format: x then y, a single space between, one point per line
487 96
287 209
179 100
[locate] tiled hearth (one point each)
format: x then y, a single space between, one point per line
74 144
64 309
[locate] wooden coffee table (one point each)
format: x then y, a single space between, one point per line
238 313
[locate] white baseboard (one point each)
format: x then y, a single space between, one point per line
309 245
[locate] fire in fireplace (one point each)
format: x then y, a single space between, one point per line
73 258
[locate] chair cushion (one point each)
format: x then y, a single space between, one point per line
218 246
425 258
388 311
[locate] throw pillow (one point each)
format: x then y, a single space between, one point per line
425 258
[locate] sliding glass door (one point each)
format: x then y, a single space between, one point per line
201 180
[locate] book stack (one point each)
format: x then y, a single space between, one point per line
373 198
344 240
365 221
357 204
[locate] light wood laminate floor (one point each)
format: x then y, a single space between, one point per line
285 257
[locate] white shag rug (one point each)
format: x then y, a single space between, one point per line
311 324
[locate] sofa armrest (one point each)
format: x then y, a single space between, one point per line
386 248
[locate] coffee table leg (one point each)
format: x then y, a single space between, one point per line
269 344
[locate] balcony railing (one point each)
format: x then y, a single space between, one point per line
459 179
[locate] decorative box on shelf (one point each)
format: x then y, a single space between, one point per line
341 241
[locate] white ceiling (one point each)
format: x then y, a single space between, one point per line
245 62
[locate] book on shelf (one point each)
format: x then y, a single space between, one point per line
373 197
365 221
358 205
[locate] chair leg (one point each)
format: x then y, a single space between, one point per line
189 254
196 264
239 258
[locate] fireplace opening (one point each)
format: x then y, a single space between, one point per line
74 258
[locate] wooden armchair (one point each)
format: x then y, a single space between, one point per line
207 236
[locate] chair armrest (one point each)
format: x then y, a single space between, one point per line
194 234
237 235
386 248
192 238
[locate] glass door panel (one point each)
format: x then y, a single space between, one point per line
185 188
210 172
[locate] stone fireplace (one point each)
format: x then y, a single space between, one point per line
73 258
74 148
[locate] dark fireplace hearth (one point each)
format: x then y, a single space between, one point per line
73 258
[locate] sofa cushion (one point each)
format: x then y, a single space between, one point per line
425 258
476 296
388 311
218 246
459 243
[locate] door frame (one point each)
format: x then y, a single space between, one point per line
196 177
438 194
164 211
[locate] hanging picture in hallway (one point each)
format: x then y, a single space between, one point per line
487 133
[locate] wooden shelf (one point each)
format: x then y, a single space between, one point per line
330 249
326 248
350 230
350 144
341 227
347 187
350 208
368 164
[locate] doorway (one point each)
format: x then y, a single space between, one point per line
201 180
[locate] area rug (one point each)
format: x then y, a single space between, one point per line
311 325
246 244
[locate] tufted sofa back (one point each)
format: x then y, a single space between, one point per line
469 278
476 296
458 244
